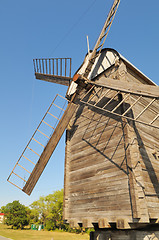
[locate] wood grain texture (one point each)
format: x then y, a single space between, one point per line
53 78
112 174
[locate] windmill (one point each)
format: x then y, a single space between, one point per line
111 122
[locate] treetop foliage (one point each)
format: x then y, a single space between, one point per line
49 210
16 214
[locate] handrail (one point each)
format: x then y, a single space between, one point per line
53 66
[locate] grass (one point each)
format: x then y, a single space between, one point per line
7 232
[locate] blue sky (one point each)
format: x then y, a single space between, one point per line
37 28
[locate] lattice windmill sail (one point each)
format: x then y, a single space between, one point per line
112 139
30 158
146 96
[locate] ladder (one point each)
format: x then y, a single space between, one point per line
32 152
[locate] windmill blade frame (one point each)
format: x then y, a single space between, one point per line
102 37
36 145
137 93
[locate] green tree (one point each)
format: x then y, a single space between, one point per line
16 215
40 211
2 209
55 207
49 210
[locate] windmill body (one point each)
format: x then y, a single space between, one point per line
112 134
111 172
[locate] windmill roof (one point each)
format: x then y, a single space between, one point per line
107 59
103 62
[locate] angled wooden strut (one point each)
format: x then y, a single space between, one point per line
50 147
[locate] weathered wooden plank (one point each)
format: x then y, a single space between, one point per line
109 178
101 164
148 142
111 217
135 76
143 89
85 206
101 168
149 164
53 78
101 194
103 183
100 185
101 120
132 161
151 178
122 223
150 132
118 210
87 223
107 157
103 223
96 133
66 179
94 116
106 148
98 160
86 135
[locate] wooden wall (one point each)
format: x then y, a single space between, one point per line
111 174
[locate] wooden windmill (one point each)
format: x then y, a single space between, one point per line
112 139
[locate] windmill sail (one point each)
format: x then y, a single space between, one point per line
37 153
145 96
102 37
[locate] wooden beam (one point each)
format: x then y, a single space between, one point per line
136 183
141 89
122 224
73 223
87 223
103 223
118 85
50 147
53 78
